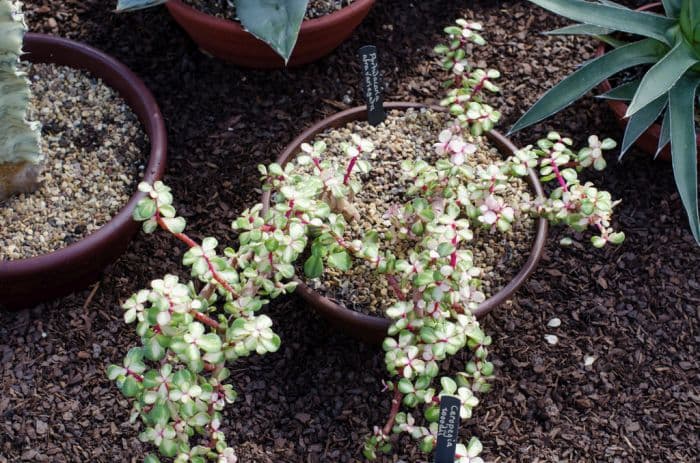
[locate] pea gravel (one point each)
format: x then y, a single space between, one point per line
94 147
411 135
223 8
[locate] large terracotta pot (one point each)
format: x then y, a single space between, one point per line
26 282
649 140
371 329
227 40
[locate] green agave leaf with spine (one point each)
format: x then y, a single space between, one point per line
674 75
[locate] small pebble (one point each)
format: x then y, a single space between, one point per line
551 339
588 360
554 323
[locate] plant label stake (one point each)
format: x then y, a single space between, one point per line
448 429
372 84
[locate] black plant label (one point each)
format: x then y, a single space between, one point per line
372 84
448 429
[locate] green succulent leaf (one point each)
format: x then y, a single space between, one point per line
641 121
175 225
672 8
160 414
612 17
663 75
665 136
313 267
624 92
133 5
340 260
591 74
114 371
684 147
690 22
276 22
611 3
145 209
580 29
130 387
168 448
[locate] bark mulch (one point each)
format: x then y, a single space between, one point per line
633 308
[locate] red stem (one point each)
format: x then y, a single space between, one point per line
479 86
192 244
136 376
348 172
396 287
200 317
288 214
560 179
395 404
453 257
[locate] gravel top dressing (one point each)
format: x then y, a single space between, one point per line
411 135
94 147
222 9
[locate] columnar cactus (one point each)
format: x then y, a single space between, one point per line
20 154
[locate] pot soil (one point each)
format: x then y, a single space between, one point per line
101 142
500 256
227 40
649 140
94 147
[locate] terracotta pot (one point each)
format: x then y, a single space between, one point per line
27 282
372 329
227 40
649 140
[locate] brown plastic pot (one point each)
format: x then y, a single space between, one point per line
227 40
649 140
27 282
372 329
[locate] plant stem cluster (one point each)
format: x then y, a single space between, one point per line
177 378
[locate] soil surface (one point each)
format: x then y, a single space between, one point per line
634 309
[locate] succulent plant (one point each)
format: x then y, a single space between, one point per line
176 379
670 44
276 22
20 153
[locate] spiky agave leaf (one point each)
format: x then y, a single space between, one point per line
684 147
588 76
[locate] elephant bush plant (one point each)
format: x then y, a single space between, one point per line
177 377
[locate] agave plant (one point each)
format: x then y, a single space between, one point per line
275 22
670 44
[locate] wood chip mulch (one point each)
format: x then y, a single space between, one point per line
633 309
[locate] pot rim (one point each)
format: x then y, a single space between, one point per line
308 25
349 315
153 125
